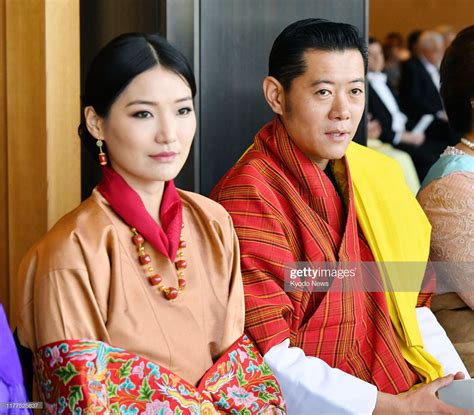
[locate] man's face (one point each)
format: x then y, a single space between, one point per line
434 54
323 107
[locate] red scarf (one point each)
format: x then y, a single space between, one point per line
285 209
129 206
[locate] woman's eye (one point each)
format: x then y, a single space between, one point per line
142 114
184 111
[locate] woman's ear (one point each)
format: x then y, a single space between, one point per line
94 123
274 94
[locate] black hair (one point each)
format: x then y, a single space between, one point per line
457 80
394 36
287 55
412 40
117 64
373 39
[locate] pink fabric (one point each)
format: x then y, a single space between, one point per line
449 204
129 206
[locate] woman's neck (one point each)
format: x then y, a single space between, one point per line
150 191
152 198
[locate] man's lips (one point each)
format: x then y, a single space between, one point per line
337 135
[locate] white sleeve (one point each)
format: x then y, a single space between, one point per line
310 386
437 343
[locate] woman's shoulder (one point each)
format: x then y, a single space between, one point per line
203 205
455 183
449 167
77 233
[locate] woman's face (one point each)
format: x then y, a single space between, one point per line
150 128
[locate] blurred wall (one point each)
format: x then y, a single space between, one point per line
4 280
405 16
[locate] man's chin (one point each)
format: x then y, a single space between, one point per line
337 153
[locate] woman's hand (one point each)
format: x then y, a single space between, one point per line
422 400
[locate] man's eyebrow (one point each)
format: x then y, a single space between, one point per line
327 81
322 81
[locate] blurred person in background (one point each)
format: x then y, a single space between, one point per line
419 92
448 33
419 84
384 107
412 41
395 53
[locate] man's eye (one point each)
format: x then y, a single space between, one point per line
323 92
356 91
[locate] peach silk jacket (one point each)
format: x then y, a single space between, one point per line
83 281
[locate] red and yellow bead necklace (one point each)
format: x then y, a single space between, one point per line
170 293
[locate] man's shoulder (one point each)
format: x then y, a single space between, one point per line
414 66
251 170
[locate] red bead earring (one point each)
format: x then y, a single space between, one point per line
102 155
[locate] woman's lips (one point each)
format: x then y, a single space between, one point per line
164 157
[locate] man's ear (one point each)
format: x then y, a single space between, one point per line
94 123
274 94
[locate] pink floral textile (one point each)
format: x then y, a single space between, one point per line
82 377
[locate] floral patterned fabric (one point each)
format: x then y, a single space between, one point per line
92 377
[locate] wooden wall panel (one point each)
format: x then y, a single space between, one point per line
405 16
63 86
4 272
26 121
42 84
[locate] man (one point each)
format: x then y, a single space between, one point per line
424 148
296 195
419 86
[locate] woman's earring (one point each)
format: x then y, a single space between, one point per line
102 155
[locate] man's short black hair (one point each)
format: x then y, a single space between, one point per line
287 55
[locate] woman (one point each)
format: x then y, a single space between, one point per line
447 196
133 302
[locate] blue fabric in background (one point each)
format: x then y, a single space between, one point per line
448 164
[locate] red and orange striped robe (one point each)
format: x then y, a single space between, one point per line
285 209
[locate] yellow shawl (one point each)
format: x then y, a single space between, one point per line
397 231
